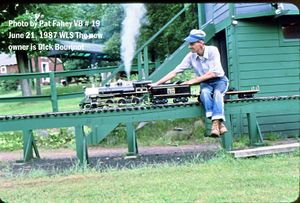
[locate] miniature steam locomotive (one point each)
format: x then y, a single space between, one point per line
134 93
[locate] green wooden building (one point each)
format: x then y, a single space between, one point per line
259 46
262 48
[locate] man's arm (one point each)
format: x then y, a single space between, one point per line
199 79
185 64
167 77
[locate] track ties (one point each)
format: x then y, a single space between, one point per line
147 107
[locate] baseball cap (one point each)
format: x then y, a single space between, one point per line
195 35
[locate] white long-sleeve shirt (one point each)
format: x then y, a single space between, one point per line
210 61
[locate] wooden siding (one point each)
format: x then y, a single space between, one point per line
255 57
246 8
216 12
209 11
221 12
232 57
282 124
262 61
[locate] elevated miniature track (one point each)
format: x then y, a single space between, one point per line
118 112
101 118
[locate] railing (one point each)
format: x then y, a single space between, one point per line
53 97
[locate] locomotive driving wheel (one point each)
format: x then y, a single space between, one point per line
121 101
164 101
109 102
184 99
160 101
176 100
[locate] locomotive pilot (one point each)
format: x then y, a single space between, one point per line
206 63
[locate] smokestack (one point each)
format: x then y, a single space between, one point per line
134 13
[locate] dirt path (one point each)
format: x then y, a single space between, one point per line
54 161
109 152
100 158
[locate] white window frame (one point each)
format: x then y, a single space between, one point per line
3 69
47 70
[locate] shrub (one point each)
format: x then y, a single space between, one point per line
8 85
10 141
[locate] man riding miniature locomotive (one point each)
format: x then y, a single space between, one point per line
206 63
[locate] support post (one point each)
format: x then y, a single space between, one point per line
139 60
53 92
261 139
201 15
252 128
81 145
131 137
92 137
28 145
232 10
146 62
227 138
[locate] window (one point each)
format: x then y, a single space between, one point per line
3 69
45 69
291 31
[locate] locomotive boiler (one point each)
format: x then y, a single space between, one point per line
123 93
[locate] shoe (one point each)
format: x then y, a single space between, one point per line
222 128
215 132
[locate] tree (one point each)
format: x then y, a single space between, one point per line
168 41
16 18
157 16
92 13
16 13
111 28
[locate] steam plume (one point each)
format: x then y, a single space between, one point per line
131 24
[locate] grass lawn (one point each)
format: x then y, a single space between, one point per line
13 108
38 107
272 178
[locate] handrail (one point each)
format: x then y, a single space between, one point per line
60 73
57 74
